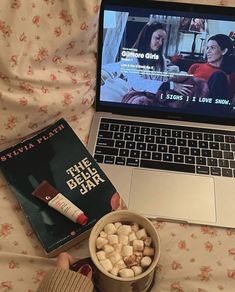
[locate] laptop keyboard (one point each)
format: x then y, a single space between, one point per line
158 146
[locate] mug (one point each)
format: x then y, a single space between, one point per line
107 282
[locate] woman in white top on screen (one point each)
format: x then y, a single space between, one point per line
143 68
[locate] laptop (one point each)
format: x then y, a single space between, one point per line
165 141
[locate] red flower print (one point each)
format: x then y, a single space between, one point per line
74 81
96 8
93 38
52 2
209 246
57 59
14 60
209 230
36 20
84 26
2 138
82 52
71 45
205 273
39 276
88 83
53 77
23 37
44 89
17 207
4 76
7 285
33 126
230 232
231 251
23 101
13 265
5 29
67 99
74 118
41 55
30 70
86 75
5 230
223 2
182 244
57 31
176 287
26 87
86 100
11 123
159 225
231 274
15 4
71 69
176 266
43 109
66 17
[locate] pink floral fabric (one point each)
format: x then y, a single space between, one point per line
48 64
47 71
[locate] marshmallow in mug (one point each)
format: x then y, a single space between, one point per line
124 249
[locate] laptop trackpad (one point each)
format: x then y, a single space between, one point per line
158 194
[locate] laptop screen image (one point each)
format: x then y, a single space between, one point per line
167 62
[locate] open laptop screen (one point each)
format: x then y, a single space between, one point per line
167 60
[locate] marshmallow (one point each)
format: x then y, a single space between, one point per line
124 229
101 255
123 239
114 257
100 242
113 239
137 270
127 250
107 248
141 234
148 241
103 234
106 264
132 236
117 224
138 245
114 271
145 262
135 227
110 228
120 264
148 251
126 273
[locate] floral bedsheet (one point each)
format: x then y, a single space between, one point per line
47 71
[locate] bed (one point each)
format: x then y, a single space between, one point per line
47 71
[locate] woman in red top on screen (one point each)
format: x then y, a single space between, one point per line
219 67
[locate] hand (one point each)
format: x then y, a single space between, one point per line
65 260
184 89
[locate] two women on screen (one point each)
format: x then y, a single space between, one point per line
150 75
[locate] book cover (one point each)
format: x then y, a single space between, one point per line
56 157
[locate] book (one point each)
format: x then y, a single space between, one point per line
52 162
